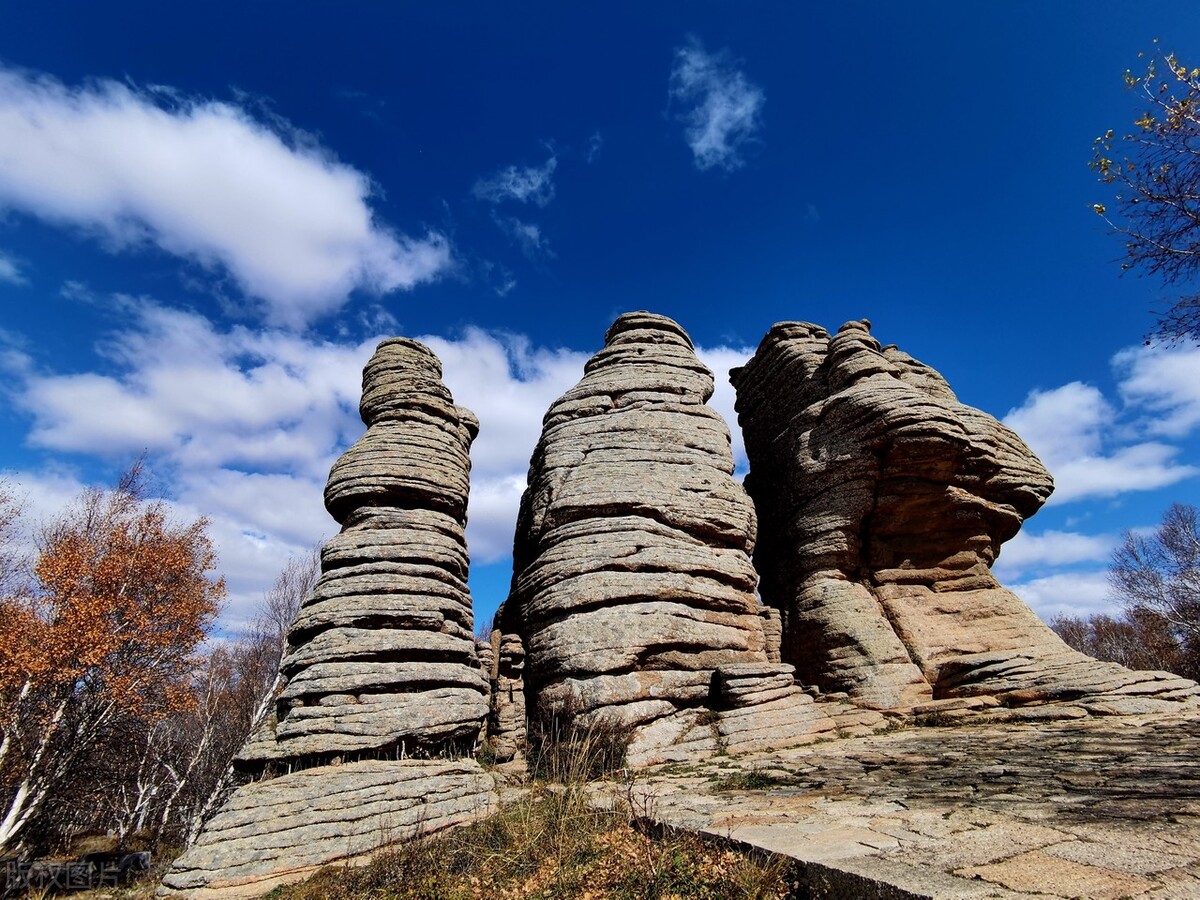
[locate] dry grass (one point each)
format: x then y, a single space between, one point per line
753 780
140 887
555 844
552 845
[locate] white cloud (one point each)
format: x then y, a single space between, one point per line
592 148
721 360
1140 467
1080 594
42 495
526 184
1165 382
245 424
527 236
492 520
10 272
1082 439
724 109
278 505
1028 551
203 397
1064 423
206 181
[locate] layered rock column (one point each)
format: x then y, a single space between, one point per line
883 503
507 730
632 579
381 663
382 655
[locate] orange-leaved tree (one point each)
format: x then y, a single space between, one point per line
102 638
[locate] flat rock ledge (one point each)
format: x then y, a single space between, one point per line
1095 808
282 830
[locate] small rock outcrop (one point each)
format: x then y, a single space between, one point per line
632 579
882 503
506 717
282 830
381 662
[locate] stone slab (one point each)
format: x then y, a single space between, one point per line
1104 808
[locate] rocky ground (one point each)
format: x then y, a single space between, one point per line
1098 808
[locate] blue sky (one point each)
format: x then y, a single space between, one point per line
209 215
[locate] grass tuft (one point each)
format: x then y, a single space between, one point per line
754 780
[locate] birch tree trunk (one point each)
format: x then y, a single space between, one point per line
32 790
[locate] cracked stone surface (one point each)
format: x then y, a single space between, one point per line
283 829
1081 809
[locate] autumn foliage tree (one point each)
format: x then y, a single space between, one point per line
1155 169
252 683
173 772
101 642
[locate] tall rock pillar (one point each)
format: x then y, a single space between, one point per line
883 502
384 695
632 586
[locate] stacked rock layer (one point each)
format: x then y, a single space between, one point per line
632 576
381 661
281 830
506 725
882 504
382 654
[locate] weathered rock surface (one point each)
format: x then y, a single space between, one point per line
507 729
381 660
1095 808
382 656
282 829
632 576
882 504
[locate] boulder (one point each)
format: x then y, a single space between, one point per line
883 502
506 717
283 829
381 658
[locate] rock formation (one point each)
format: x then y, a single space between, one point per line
633 588
506 717
281 830
882 504
381 661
